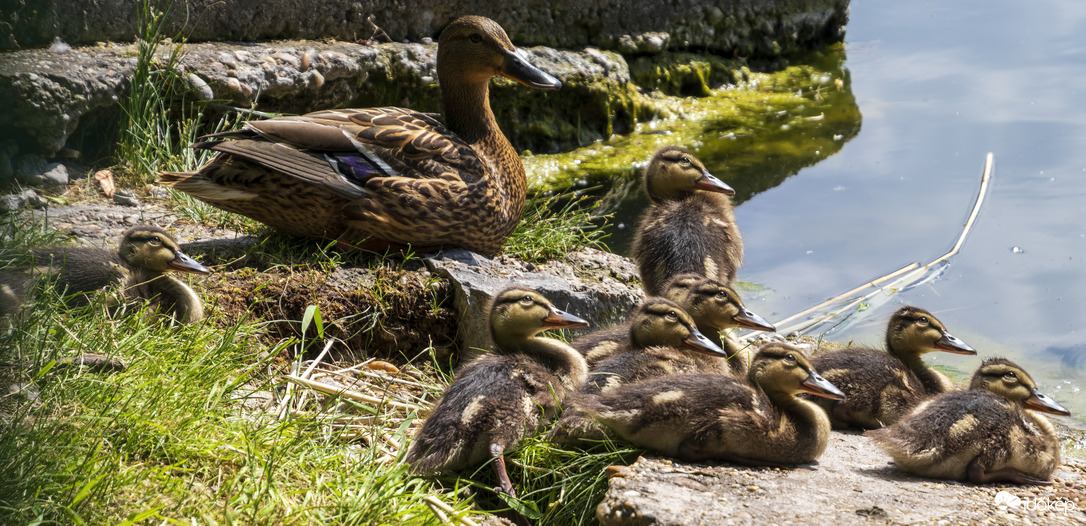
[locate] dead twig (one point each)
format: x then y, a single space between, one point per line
440 509
347 393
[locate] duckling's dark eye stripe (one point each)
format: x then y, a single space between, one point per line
511 297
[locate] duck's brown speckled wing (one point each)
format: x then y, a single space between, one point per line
414 145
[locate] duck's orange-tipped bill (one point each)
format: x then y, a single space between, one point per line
559 319
699 342
949 343
710 183
818 386
747 319
1038 401
183 263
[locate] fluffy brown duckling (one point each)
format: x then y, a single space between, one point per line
672 344
500 398
138 266
669 344
689 225
716 308
713 417
882 386
385 177
989 433
713 306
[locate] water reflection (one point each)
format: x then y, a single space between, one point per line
753 138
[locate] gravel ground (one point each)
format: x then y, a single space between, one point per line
852 483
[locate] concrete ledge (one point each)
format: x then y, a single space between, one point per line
747 27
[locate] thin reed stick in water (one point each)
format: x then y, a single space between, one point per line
839 297
985 177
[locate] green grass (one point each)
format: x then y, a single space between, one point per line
553 226
193 430
178 437
160 120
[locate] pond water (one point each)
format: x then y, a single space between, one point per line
936 86
939 85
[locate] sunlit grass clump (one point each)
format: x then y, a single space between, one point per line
188 433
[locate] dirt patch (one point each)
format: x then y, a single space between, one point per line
373 311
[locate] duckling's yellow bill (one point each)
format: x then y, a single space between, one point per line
699 342
516 68
950 344
710 183
747 319
183 263
1040 402
818 386
559 319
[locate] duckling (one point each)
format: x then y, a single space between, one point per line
715 308
986 434
498 399
883 386
684 229
139 264
668 343
702 417
385 177
671 344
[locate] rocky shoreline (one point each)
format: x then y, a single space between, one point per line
852 483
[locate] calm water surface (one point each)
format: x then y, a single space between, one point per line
939 85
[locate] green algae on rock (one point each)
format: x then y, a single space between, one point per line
752 134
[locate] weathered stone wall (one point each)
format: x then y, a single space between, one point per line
747 27
61 102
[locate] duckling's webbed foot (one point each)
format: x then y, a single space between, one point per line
977 474
498 461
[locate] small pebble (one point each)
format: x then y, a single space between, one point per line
126 199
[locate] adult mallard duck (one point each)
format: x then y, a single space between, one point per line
883 385
385 177
498 399
712 417
716 308
138 266
986 434
689 225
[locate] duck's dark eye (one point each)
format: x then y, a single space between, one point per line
1010 376
672 316
684 161
154 241
791 358
476 37
923 320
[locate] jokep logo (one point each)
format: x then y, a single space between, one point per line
1004 499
